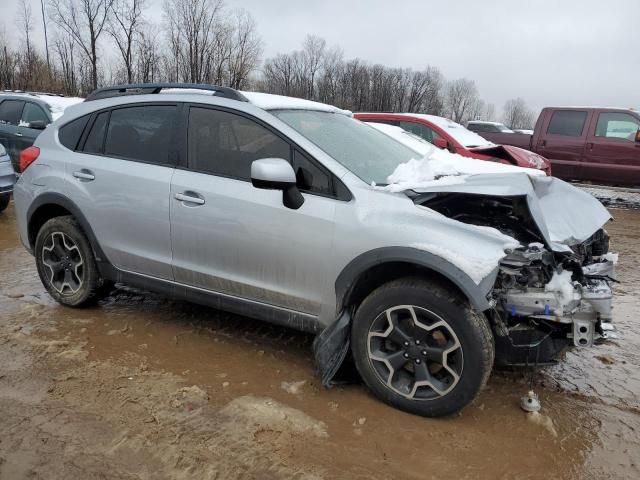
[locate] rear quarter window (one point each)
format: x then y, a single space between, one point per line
567 122
69 134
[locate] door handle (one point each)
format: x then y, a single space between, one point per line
18 134
84 175
544 143
189 197
590 146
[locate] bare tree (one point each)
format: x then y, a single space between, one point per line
462 97
124 26
247 48
46 38
147 56
191 26
25 20
517 114
64 48
83 21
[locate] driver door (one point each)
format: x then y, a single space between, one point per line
232 238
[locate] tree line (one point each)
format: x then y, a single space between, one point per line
204 41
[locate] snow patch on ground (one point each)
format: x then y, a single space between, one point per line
614 198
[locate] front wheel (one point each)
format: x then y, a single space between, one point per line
421 348
66 264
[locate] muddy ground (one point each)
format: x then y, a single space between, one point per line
142 387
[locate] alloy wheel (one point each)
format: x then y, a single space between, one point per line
64 261
415 352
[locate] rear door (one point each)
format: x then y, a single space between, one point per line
10 114
232 238
121 178
612 155
562 141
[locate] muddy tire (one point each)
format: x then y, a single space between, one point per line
66 264
4 201
421 348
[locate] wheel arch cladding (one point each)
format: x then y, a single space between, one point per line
50 205
372 269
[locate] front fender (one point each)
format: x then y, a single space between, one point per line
475 293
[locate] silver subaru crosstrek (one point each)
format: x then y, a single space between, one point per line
293 212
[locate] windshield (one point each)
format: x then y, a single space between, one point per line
368 153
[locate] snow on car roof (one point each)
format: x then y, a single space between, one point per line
465 137
268 101
56 103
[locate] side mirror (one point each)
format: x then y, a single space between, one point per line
38 125
277 174
638 136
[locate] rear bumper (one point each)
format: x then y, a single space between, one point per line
7 175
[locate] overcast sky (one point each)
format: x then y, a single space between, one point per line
550 52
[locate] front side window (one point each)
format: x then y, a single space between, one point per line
567 122
617 125
369 154
33 113
141 133
10 112
420 130
225 144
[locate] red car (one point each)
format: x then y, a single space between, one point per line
445 133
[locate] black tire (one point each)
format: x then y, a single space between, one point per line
4 201
85 286
468 366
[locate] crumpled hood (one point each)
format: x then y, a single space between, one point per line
564 214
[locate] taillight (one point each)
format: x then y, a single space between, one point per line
28 156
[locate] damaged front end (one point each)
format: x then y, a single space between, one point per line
555 290
546 302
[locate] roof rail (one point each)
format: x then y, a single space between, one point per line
27 92
151 88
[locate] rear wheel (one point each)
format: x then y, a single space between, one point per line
4 201
66 264
421 348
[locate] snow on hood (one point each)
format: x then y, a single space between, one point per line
564 214
268 101
441 167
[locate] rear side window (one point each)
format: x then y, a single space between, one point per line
141 133
95 139
33 113
226 144
567 122
10 111
69 135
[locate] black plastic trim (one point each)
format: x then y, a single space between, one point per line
154 88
